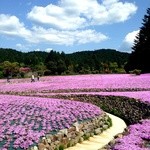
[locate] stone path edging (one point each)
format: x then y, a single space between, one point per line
99 141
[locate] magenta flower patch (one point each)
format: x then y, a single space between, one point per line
135 140
23 120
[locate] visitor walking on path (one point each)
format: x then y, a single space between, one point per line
32 78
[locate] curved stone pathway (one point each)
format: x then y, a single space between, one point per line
99 141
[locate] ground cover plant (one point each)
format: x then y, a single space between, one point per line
80 83
124 85
138 137
23 120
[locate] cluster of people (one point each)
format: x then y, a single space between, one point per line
33 78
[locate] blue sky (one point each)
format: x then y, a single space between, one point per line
70 25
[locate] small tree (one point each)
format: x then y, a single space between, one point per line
113 67
10 69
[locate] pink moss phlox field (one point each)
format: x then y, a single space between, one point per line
116 81
23 120
137 137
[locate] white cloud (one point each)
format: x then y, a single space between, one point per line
56 17
67 38
129 38
68 22
24 47
10 25
72 14
48 49
37 50
20 46
128 41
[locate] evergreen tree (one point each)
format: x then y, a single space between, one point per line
140 56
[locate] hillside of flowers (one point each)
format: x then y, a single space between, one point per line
135 89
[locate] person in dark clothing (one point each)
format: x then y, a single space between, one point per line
8 79
38 77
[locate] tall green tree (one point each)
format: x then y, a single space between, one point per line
140 56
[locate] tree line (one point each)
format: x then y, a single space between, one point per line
16 63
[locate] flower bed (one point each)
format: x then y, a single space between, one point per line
23 120
137 138
125 95
80 82
75 134
129 109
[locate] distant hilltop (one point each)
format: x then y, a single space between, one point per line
12 55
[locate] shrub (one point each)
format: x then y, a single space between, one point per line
1 74
22 74
86 137
68 145
61 147
110 122
47 73
135 71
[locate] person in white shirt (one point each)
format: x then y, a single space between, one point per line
32 78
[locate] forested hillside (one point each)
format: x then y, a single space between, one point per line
20 57
53 63
99 56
